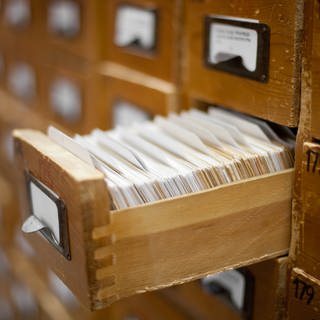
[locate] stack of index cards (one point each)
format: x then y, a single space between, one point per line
182 153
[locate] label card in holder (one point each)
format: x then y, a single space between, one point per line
64 18
237 46
135 27
236 287
125 113
47 215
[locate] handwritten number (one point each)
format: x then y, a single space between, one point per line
303 290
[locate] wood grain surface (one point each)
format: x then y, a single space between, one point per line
278 99
182 239
84 193
165 62
304 294
153 95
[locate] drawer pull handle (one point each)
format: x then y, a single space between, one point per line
33 224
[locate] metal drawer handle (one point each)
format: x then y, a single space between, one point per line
33 224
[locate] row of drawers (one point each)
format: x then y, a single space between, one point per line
191 56
96 27
194 93
82 98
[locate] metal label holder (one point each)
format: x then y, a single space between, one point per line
33 224
235 65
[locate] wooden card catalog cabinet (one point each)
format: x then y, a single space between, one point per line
130 93
145 35
115 254
74 98
75 27
245 56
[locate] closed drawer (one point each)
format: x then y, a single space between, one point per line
120 253
145 35
20 21
133 96
255 292
74 97
251 65
23 74
75 27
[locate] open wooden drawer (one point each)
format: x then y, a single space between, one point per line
114 254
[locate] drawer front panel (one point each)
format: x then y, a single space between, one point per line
20 21
74 99
145 35
23 75
265 285
78 185
274 93
315 68
75 27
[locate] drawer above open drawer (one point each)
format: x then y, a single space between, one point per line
113 254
